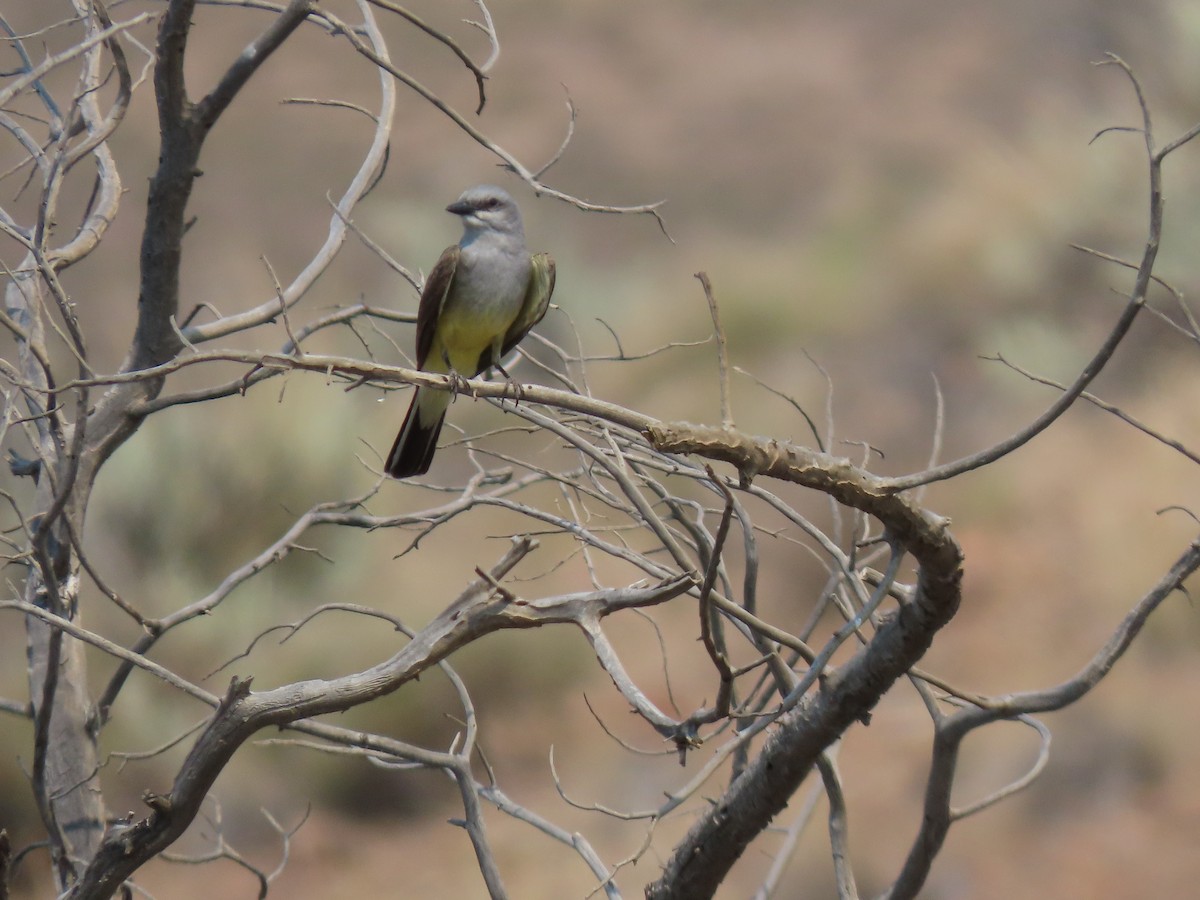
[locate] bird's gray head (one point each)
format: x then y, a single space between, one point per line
486 207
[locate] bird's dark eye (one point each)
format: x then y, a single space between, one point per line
491 203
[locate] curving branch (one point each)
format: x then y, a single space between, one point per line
1137 300
720 836
952 729
481 610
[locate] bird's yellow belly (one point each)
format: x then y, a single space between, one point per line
463 339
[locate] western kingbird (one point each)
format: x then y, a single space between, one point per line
481 298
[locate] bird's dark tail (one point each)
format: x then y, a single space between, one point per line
415 444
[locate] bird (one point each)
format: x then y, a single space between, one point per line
480 300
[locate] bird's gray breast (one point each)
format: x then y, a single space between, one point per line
490 282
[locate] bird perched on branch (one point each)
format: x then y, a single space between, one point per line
481 298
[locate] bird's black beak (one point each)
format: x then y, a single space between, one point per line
460 208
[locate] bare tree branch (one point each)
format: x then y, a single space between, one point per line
1137 299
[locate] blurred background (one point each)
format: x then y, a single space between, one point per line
882 193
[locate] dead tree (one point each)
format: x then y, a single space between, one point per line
642 512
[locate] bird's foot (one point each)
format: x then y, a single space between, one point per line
458 384
518 392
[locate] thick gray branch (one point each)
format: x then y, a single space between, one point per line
718 839
243 713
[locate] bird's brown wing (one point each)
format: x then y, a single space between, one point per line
537 300
433 298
